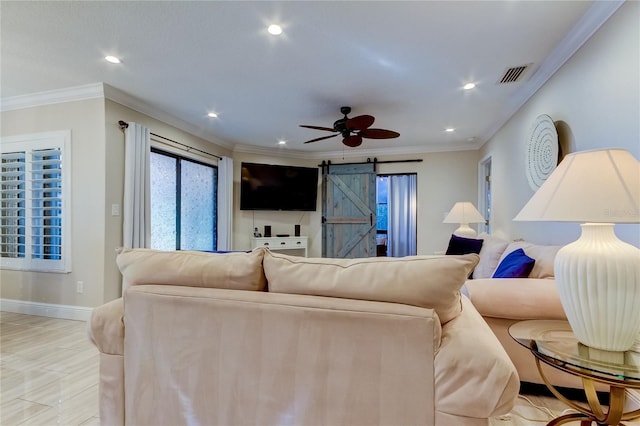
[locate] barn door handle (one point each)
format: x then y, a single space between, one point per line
371 219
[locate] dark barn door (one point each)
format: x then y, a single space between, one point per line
349 210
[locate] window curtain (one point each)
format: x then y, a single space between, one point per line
136 221
402 215
225 204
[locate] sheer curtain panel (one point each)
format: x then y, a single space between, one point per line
402 215
136 222
225 203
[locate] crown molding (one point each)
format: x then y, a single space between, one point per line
141 106
104 91
590 22
50 97
353 152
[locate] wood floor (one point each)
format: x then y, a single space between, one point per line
49 376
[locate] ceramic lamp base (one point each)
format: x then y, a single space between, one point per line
598 279
465 231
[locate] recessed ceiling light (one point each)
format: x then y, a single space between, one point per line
282 142
274 29
112 59
449 129
212 115
469 86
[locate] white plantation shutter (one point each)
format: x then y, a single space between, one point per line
13 227
35 217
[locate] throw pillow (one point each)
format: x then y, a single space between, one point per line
515 265
462 245
543 254
239 270
425 281
492 250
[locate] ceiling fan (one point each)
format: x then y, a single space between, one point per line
353 129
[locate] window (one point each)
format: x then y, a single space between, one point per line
35 215
183 203
382 205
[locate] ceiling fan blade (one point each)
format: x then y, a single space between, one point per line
378 134
322 138
352 141
360 122
328 129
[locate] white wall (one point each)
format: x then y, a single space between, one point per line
281 222
85 119
97 183
443 179
595 101
114 192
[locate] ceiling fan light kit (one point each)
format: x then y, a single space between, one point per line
353 129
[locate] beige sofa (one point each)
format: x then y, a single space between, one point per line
504 301
199 339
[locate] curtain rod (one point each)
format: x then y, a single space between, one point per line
123 125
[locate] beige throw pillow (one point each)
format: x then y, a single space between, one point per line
424 281
240 271
492 250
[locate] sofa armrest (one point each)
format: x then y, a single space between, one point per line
474 376
106 327
516 298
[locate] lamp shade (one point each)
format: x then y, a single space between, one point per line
464 212
598 275
589 186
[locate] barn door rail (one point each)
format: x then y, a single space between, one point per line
327 164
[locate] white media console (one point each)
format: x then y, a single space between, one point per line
281 243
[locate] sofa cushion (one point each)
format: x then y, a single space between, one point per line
516 298
544 256
515 265
425 281
490 254
239 270
462 245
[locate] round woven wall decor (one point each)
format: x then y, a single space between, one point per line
542 151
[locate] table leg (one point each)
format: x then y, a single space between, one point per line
573 417
595 411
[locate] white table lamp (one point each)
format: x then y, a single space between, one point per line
464 213
598 276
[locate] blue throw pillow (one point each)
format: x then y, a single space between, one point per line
515 265
461 245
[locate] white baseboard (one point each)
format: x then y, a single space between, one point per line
79 313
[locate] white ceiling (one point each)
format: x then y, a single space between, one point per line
402 62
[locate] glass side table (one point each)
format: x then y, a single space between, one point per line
553 343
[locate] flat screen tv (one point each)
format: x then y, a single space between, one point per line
272 187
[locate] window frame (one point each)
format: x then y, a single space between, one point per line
29 143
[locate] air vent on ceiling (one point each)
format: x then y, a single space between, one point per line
513 74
